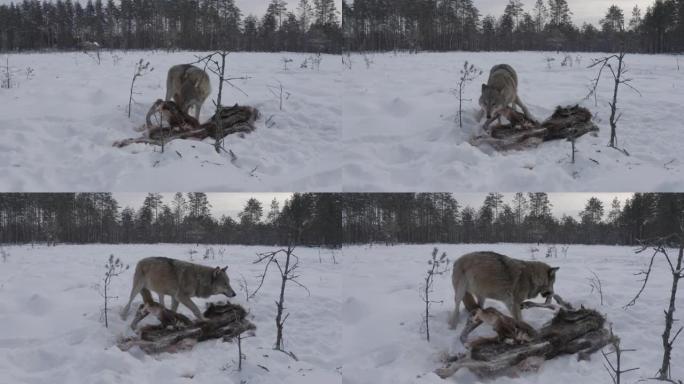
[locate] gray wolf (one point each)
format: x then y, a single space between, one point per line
166 317
489 275
500 93
180 280
189 86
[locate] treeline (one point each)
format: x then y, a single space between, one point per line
438 217
305 219
445 25
169 24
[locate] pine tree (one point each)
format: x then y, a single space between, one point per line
559 13
541 15
305 14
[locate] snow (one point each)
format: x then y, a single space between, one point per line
382 334
401 132
52 331
361 324
59 126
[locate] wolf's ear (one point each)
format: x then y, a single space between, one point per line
484 86
224 268
552 271
216 272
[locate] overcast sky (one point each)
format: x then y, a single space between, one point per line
258 7
590 11
570 204
232 203
221 203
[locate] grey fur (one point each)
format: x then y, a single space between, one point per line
500 92
189 86
180 280
489 275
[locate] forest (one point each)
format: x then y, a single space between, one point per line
527 218
304 219
447 25
333 219
311 26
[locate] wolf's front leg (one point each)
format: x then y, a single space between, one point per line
185 300
515 306
525 110
489 121
469 327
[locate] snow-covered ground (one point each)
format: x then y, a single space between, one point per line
401 131
58 126
382 339
51 329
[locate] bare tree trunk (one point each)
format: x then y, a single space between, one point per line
613 105
664 372
281 303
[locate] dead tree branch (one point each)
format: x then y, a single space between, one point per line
659 247
616 371
287 269
618 79
596 285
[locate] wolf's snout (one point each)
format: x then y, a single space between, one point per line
230 293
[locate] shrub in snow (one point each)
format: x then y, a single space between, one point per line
439 265
113 268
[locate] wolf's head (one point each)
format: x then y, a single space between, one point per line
545 280
220 283
492 100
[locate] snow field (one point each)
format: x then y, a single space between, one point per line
383 340
59 126
401 131
52 331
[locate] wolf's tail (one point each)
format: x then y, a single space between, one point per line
138 287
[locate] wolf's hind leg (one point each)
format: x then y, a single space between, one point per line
138 285
459 293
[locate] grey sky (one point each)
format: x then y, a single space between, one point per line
590 11
258 7
563 203
221 203
232 203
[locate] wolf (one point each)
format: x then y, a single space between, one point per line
189 86
179 279
492 275
500 92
